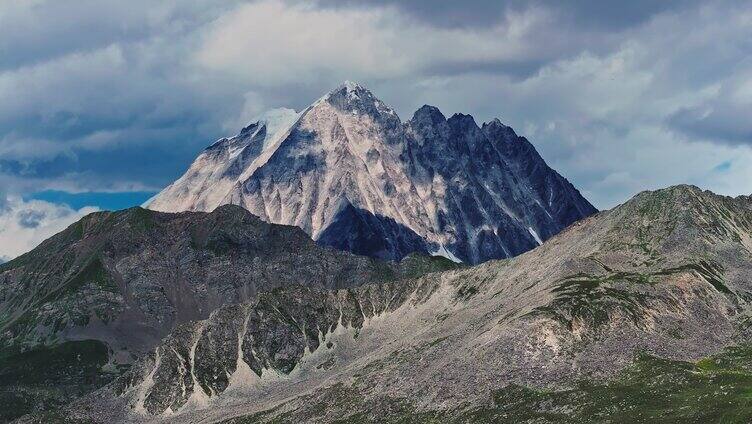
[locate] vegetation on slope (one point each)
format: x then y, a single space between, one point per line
51 376
653 390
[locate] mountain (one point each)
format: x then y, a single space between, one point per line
636 314
78 309
353 176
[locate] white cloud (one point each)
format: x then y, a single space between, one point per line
253 106
25 224
271 42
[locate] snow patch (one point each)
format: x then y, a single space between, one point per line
443 251
535 235
277 122
350 85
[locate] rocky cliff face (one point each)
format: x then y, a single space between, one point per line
121 281
666 274
353 176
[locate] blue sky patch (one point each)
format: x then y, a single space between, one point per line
102 200
723 166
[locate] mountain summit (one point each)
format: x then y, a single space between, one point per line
353 176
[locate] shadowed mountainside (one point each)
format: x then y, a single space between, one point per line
111 286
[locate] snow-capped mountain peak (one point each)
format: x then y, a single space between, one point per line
353 176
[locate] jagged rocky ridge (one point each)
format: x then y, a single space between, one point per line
111 286
350 174
669 274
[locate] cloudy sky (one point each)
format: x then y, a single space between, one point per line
103 102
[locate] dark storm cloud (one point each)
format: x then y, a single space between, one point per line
32 32
571 26
516 69
610 15
101 89
719 123
607 15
